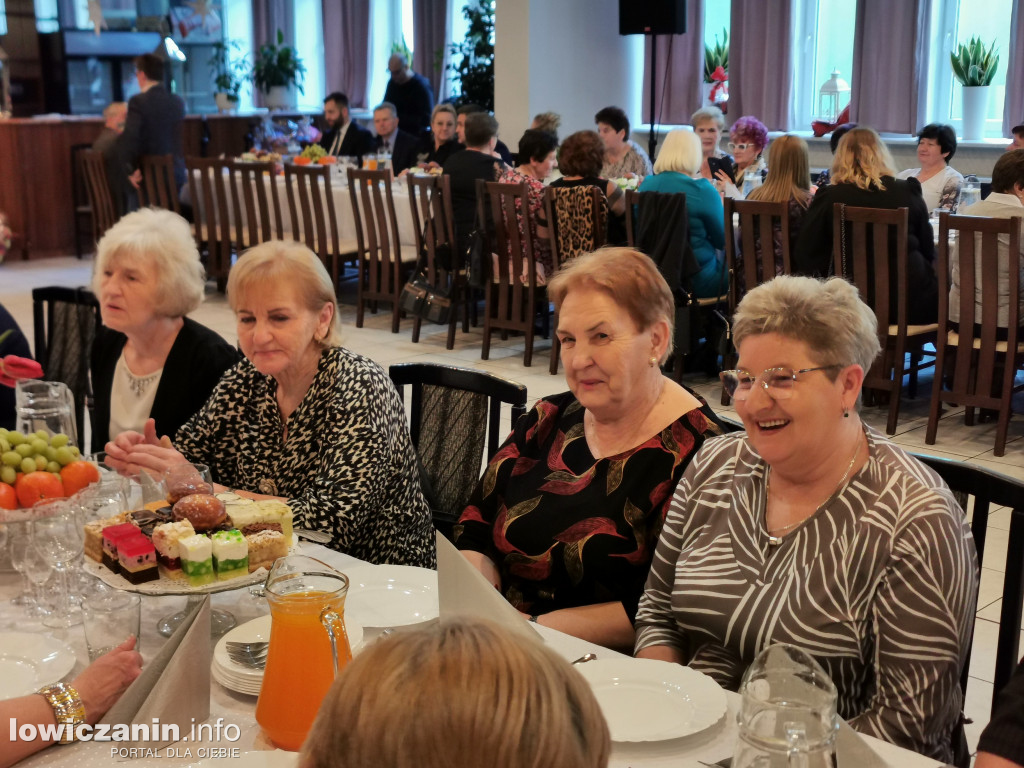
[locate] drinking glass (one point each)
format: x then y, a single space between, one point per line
46 405
970 193
182 480
20 547
58 536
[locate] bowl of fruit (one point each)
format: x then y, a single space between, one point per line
37 466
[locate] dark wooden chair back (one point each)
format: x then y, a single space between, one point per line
97 186
208 187
80 196
311 205
256 202
159 189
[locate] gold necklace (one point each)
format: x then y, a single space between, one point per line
773 540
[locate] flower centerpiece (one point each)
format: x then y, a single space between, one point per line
276 70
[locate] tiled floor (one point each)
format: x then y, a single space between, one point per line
955 441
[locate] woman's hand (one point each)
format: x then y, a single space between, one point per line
722 176
102 682
485 565
130 452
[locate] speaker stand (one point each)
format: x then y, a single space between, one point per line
652 139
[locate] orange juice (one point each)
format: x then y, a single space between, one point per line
369 163
300 665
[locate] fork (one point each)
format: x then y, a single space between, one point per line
252 655
251 661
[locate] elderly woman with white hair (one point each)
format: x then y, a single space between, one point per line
678 162
302 419
813 529
148 359
709 125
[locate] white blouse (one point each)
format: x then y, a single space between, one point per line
131 398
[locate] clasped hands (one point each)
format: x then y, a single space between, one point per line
132 452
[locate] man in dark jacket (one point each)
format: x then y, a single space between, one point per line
411 94
344 137
392 139
155 121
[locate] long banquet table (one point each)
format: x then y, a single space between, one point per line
709 746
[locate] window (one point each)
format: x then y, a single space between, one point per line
390 23
237 24
46 16
3 18
309 45
716 18
823 34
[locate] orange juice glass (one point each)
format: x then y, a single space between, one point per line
369 163
308 646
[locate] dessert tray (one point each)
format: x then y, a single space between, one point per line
164 586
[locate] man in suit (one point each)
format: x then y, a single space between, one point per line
155 121
390 138
343 137
411 94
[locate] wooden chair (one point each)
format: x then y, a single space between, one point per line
876 262
257 214
583 233
314 218
104 214
432 218
207 183
383 261
749 225
980 490
80 196
510 302
159 189
979 357
454 414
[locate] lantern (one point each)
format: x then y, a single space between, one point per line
833 97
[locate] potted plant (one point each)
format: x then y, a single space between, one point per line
974 66
716 71
474 73
276 69
228 68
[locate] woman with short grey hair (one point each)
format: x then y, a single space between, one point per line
813 529
148 359
709 125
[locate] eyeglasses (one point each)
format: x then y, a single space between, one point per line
777 382
741 147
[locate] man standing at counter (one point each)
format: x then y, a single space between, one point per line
155 121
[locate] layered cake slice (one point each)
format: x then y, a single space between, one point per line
230 554
111 535
277 512
196 554
265 547
94 534
168 553
137 559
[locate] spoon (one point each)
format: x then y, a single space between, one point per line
585 658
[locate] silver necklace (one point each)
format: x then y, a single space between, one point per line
774 540
139 384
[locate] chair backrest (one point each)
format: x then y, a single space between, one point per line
97 186
64 323
159 189
982 490
510 212
454 414
431 203
311 205
257 213
749 225
577 221
376 230
79 193
208 188
662 231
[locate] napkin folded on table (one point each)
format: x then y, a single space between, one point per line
463 591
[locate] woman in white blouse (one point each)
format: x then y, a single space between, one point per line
148 359
940 183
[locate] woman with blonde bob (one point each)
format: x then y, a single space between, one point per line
302 419
863 176
678 163
563 521
458 693
441 143
811 528
149 361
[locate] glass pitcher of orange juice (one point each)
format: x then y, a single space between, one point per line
308 646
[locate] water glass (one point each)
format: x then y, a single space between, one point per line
47 406
110 618
59 537
35 567
970 193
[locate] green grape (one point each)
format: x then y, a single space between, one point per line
25 449
11 459
8 474
5 446
28 465
53 466
4 432
16 438
59 440
43 435
39 445
65 456
50 453
75 452
40 462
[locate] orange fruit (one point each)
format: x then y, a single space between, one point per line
8 497
77 475
36 486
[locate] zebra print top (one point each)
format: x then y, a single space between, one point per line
879 586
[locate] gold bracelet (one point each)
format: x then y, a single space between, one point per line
67 708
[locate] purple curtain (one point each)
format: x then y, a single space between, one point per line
268 16
1013 106
430 43
680 71
760 66
890 65
347 48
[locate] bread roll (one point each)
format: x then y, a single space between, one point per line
203 510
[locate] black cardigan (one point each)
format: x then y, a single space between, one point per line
196 362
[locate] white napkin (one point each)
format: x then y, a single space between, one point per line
463 591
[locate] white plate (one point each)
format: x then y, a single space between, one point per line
648 700
28 662
391 595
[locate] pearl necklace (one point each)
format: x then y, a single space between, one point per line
774 540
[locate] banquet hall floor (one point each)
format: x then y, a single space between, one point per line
954 441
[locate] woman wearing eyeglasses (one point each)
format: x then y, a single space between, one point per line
812 529
747 139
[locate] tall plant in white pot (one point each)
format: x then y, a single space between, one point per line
974 66
275 71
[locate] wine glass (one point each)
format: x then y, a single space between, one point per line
58 536
182 480
21 547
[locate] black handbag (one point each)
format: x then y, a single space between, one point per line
421 299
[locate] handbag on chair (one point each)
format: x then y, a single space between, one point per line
421 299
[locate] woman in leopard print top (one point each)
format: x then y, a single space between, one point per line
303 419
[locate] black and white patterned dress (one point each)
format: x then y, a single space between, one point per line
347 468
879 586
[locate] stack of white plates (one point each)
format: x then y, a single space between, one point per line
242 679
